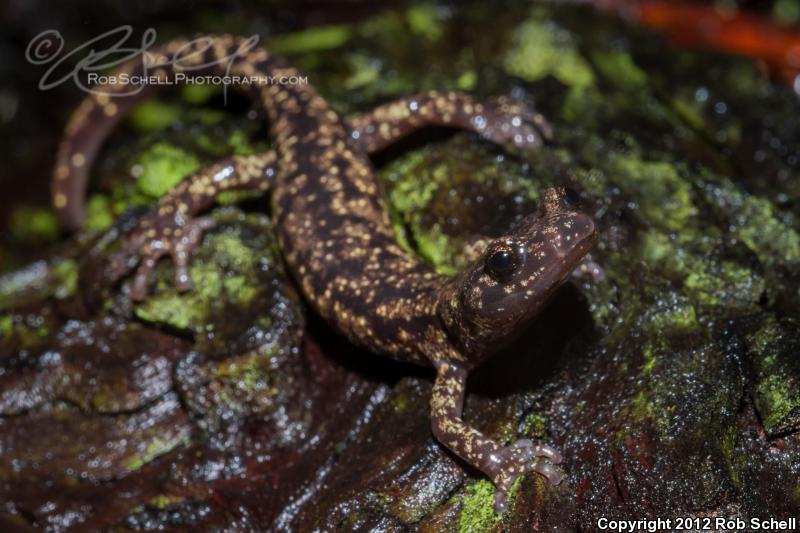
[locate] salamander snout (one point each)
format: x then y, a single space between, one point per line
571 234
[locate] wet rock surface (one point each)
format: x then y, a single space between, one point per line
670 382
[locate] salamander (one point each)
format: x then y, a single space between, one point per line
338 244
370 132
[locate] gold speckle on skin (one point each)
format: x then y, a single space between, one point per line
60 200
78 159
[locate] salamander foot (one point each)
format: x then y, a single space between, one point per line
156 236
509 122
520 458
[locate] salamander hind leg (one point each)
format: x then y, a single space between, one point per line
503 464
172 227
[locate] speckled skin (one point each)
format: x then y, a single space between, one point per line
335 234
370 132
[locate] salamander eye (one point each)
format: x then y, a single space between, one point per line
572 197
502 261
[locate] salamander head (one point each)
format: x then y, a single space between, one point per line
496 297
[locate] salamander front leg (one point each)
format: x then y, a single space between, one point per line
503 464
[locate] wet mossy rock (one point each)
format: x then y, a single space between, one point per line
671 383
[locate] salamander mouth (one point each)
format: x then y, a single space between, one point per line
580 236
550 282
574 255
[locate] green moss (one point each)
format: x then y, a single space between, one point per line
198 93
311 40
190 310
431 244
163 501
619 68
123 196
534 425
364 71
391 24
154 115
65 276
777 398
236 253
240 143
786 12
650 404
775 243
673 314
426 184
99 213
239 288
689 113
400 231
727 445
664 198
184 311
409 197
656 227
726 284
236 141
777 388
477 514
650 360
400 401
641 408
656 247
434 246
709 283
235 197
539 49
156 446
249 372
28 335
408 194
753 220
6 325
423 20
162 167
208 117
467 80
699 283
682 317
33 223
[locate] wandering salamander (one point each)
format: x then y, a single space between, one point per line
335 233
